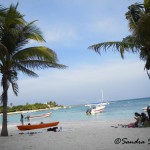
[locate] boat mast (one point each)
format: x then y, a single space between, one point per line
102 95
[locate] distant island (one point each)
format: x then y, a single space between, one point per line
31 107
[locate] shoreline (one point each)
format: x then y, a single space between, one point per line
78 135
28 111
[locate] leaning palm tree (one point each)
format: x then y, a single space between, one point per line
138 17
15 33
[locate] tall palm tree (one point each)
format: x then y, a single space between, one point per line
15 33
138 16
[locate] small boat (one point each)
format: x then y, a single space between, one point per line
37 126
104 104
145 108
96 109
102 100
87 105
40 116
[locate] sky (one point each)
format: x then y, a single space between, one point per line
69 28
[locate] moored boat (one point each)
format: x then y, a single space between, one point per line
39 116
37 126
96 109
145 108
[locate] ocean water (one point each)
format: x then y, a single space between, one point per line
123 109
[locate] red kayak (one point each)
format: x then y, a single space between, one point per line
37 126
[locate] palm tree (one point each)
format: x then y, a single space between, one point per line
15 33
138 16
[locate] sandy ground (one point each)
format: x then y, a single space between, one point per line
82 135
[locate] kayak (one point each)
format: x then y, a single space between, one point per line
37 126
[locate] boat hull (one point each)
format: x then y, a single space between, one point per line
98 109
95 111
37 126
41 116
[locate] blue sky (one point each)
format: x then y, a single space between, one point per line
69 27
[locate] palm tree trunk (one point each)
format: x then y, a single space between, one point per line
4 131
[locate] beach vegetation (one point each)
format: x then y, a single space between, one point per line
16 56
35 106
138 41
52 104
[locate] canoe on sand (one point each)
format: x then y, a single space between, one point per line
37 126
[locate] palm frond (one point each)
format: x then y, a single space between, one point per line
142 31
36 53
13 16
13 80
56 65
15 87
8 35
3 52
2 11
31 31
26 33
147 64
134 14
39 64
19 67
147 6
117 46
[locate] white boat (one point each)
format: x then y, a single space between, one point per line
97 107
102 100
145 108
40 116
104 104
87 105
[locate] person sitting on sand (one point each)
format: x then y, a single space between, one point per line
145 120
148 111
138 122
143 117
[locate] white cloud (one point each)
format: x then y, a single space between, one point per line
113 27
60 33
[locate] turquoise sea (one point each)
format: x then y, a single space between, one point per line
123 109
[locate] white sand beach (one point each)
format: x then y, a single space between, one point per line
82 135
